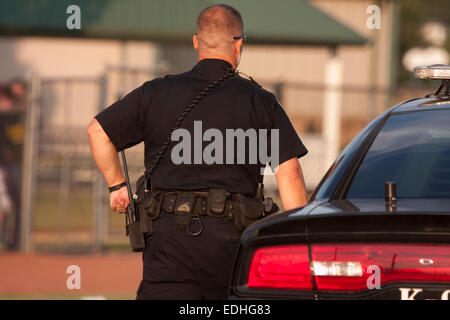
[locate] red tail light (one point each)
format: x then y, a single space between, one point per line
347 267
397 263
280 267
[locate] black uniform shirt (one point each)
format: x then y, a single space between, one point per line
149 112
12 135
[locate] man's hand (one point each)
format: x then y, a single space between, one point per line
118 200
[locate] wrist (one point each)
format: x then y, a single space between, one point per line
117 187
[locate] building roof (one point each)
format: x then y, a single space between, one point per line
266 21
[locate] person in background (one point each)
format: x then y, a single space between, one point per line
5 208
18 93
5 201
12 134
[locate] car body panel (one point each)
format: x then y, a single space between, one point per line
422 104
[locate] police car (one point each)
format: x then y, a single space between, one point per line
378 224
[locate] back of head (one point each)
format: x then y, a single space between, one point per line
216 27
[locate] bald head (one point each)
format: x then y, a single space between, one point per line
216 27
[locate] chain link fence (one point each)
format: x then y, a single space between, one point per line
70 203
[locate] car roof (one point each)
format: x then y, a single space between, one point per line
422 104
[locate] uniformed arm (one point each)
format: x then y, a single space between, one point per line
291 184
105 156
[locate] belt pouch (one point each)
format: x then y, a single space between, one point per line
216 201
183 209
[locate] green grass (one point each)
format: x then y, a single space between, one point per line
79 213
72 229
81 247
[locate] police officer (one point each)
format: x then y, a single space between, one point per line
178 263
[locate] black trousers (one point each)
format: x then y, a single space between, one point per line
14 188
181 266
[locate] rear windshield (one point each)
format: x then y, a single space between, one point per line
411 149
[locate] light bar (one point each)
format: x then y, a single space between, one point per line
433 72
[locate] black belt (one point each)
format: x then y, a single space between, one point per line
201 206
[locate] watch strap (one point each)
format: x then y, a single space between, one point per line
117 187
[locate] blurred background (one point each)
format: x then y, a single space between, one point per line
333 64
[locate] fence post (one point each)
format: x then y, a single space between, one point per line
65 174
332 107
31 144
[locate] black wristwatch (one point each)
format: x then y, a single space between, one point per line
117 187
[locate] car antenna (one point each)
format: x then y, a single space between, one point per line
390 195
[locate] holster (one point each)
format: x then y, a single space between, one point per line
149 204
247 211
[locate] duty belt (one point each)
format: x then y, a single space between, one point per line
201 205
188 206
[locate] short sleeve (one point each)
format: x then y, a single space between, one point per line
123 121
290 145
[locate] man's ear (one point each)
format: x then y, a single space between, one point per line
195 41
238 46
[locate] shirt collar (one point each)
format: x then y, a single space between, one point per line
211 68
